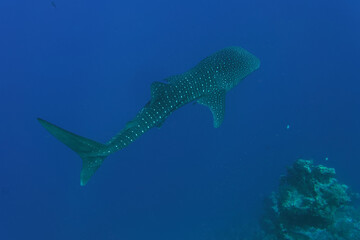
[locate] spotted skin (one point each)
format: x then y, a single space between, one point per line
206 83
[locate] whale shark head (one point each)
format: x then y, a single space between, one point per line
234 64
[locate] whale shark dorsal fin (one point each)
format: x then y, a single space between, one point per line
156 88
174 78
130 124
216 102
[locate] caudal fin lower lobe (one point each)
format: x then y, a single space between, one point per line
87 149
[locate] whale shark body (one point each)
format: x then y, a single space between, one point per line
206 83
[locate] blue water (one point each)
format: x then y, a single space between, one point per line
87 66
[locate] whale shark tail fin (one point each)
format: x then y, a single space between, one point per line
87 149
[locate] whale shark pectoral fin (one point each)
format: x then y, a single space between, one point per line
216 102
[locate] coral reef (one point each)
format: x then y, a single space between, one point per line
310 205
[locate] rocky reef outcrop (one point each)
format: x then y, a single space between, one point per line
311 204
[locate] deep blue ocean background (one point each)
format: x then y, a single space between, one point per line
87 66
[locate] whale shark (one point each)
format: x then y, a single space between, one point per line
206 83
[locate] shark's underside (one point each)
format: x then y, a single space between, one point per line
206 83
